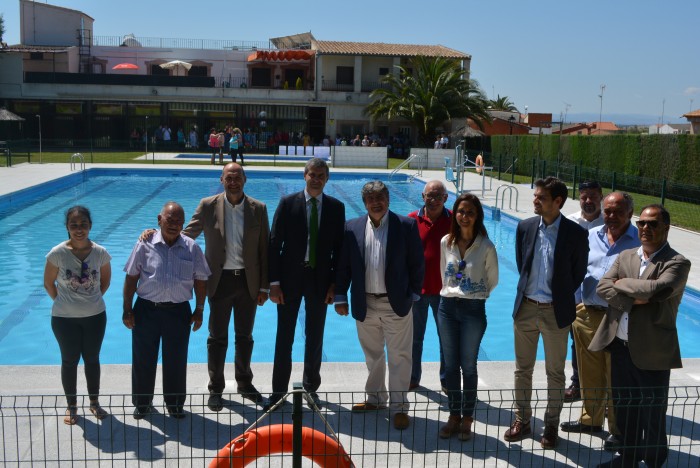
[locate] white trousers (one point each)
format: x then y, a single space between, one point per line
382 327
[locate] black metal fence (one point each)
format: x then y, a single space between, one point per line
32 432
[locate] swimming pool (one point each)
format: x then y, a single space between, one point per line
124 202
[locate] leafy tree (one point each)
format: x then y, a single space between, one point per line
434 92
502 104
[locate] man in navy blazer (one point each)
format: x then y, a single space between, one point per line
382 262
551 252
295 272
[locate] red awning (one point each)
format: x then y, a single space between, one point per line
280 55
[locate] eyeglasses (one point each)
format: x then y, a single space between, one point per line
653 224
460 268
433 197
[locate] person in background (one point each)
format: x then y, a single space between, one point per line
76 276
605 243
213 144
434 221
589 217
236 145
194 139
382 258
163 270
551 253
643 289
469 270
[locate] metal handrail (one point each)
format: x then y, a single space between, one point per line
75 159
509 189
405 163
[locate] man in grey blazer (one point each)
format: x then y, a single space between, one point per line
643 290
552 254
236 231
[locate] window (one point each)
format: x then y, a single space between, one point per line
345 75
383 71
261 77
36 56
198 70
157 70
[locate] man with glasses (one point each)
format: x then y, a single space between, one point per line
551 252
590 216
605 242
643 289
433 221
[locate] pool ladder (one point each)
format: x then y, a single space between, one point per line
510 189
77 160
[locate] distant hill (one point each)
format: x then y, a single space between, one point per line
625 119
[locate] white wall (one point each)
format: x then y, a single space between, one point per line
435 160
49 25
354 156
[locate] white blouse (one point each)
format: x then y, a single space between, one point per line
479 275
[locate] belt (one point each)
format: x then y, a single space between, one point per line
234 272
595 307
541 305
624 343
162 305
378 296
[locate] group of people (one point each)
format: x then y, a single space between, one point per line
228 141
616 285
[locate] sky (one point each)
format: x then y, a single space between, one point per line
551 56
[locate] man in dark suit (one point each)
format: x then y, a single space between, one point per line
298 270
643 290
236 231
552 254
383 260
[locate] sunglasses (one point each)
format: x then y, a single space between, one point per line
460 268
84 271
653 224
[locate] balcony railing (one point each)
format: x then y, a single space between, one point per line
332 85
178 43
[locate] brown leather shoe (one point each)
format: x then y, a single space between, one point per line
550 438
465 428
518 430
401 421
413 385
571 394
366 406
452 427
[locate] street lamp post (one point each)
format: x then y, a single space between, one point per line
39 117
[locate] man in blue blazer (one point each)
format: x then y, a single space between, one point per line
382 262
298 270
551 252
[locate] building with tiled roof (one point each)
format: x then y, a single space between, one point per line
694 120
88 87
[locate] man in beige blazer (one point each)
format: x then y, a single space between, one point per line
643 290
236 231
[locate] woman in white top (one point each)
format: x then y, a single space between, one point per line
469 266
76 276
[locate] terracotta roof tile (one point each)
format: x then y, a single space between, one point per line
383 49
695 113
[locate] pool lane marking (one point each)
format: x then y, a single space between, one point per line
17 316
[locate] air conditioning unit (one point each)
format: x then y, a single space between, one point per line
348 97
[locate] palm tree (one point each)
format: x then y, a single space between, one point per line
435 92
502 104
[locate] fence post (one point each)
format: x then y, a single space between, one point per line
663 191
614 181
534 170
575 180
296 424
500 159
512 169
544 169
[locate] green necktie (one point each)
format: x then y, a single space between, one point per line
313 233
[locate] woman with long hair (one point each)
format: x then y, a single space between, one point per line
76 276
469 266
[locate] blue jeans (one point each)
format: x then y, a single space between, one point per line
462 323
420 320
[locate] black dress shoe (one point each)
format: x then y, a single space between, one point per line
176 412
215 402
272 401
571 394
315 399
618 462
612 443
143 411
575 426
251 393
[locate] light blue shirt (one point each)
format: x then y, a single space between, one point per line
539 283
601 256
167 273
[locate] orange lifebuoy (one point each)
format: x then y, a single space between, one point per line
277 438
479 163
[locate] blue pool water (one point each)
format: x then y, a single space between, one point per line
124 202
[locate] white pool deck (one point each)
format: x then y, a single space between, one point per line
347 377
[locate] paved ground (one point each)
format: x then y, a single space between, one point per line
32 432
